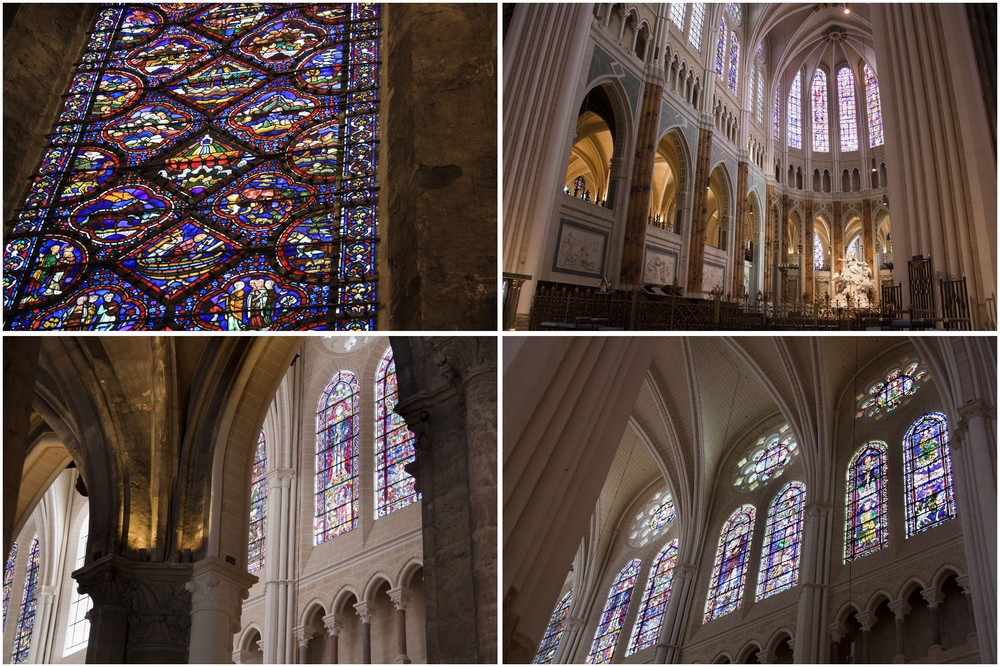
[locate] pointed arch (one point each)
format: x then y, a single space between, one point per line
795 112
873 103
732 557
646 630
394 444
820 113
847 108
927 476
866 527
613 616
779 558
338 428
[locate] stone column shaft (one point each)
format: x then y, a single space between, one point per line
786 208
217 593
868 235
699 214
806 256
633 250
837 252
739 238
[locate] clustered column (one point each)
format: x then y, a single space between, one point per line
699 211
739 241
806 251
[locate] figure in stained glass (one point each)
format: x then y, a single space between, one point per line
8 579
848 110
337 440
258 507
646 630
553 631
821 123
927 474
612 617
26 617
866 529
394 444
779 559
795 113
874 108
209 158
725 592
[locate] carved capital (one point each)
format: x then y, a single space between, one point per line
964 583
836 631
932 596
279 477
218 586
400 598
302 635
866 620
462 357
334 623
900 609
365 613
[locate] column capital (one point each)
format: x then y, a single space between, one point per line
216 585
47 593
365 613
900 609
932 596
303 634
573 623
334 624
400 598
963 582
836 631
279 477
460 358
866 619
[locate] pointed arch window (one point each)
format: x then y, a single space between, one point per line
26 617
819 254
874 108
848 110
394 444
338 428
78 628
927 477
734 62
725 592
553 631
8 579
866 530
821 121
677 14
720 49
776 130
795 113
697 25
760 94
779 559
610 625
258 507
646 630
213 168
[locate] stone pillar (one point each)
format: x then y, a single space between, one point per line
699 210
963 582
570 636
217 592
934 599
972 443
141 611
772 247
279 588
806 252
333 625
42 639
868 236
739 239
786 209
365 614
302 636
837 229
837 633
866 619
813 599
676 613
400 598
900 609
633 250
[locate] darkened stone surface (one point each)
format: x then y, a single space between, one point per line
40 47
438 248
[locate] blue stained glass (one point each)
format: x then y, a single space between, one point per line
779 559
8 579
930 491
725 592
874 108
734 62
29 600
553 631
720 50
776 129
848 110
258 508
821 121
338 430
646 630
610 625
213 168
394 444
795 113
866 527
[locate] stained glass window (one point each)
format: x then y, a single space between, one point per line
893 389
29 600
394 444
553 631
258 507
874 107
777 114
795 113
720 50
848 110
760 95
930 492
78 629
725 592
697 24
819 255
338 429
677 14
866 528
766 460
779 559
653 520
213 168
821 121
734 10
734 62
646 630
8 579
610 624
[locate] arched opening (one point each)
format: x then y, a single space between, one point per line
883 635
588 174
856 180
250 648
845 181
717 203
751 251
827 185
816 181
848 649
349 644
318 648
383 625
821 256
883 246
669 183
918 634
798 178
783 654
750 656
956 621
